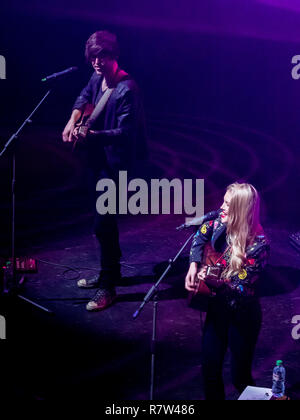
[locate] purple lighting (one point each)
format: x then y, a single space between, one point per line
283 4
260 19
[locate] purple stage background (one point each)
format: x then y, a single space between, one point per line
223 61
221 104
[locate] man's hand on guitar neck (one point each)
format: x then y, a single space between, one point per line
81 132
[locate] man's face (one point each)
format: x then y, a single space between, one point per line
102 64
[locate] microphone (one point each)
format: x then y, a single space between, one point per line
211 215
61 73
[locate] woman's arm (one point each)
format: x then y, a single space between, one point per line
202 236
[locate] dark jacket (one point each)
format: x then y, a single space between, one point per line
243 283
123 133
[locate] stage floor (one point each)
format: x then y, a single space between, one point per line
76 354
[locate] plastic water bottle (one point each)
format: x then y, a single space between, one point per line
8 276
278 387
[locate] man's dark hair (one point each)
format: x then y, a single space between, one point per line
102 42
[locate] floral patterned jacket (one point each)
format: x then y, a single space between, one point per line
243 283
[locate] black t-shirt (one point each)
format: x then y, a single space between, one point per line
95 157
99 123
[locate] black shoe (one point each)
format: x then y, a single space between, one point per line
89 283
102 299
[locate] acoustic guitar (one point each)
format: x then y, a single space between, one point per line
87 112
206 289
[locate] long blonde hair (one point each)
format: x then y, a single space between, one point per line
243 224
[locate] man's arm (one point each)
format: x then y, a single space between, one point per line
84 98
67 134
127 119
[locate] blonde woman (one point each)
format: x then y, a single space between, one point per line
234 316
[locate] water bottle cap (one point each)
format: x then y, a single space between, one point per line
279 362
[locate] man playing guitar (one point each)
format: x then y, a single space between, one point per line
114 140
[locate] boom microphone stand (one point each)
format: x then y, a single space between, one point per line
28 120
153 294
12 139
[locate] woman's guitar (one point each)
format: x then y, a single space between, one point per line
203 291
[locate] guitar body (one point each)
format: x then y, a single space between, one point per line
211 256
82 128
88 109
199 298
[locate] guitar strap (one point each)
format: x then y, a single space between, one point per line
209 259
120 75
221 256
99 107
95 114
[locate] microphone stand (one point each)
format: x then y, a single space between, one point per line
15 284
153 294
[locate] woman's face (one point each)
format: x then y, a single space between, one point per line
225 206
